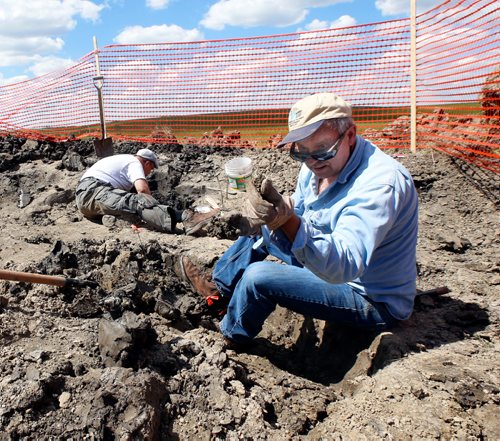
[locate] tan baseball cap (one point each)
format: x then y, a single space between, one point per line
307 115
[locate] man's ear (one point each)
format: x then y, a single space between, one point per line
353 130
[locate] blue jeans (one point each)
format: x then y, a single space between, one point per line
256 287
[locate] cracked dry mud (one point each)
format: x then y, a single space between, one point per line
138 357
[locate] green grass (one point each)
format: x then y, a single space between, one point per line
256 125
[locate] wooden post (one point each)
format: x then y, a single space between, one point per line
98 83
413 76
103 146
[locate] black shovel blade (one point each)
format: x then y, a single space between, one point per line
103 147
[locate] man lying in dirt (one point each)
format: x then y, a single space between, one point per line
347 235
106 189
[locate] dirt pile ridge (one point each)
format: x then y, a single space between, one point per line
138 357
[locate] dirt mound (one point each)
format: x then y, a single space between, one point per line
137 356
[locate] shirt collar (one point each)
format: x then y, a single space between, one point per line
354 160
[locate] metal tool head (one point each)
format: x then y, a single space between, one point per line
82 283
103 147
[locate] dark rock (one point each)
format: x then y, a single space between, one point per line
121 341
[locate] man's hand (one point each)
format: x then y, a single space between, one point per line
262 207
267 205
256 207
254 213
283 205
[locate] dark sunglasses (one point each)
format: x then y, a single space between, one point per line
322 155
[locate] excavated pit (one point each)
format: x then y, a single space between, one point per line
138 356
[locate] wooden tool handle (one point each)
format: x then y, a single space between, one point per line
19 276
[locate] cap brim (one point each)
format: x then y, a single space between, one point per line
154 161
302 133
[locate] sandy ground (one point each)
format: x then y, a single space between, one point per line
137 356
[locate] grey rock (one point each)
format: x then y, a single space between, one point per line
114 340
108 220
121 342
25 198
60 197
73 161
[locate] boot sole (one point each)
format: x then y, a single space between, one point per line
200 224
182 271
197 227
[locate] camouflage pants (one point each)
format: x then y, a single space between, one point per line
95 198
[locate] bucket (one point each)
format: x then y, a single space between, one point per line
239 172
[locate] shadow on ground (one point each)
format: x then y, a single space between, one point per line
343 353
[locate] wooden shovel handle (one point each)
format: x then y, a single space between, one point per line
19 276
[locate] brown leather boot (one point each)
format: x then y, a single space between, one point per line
191 274
194 221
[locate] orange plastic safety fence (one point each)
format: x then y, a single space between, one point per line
238 92
458 81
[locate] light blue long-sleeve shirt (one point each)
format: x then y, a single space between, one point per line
362 230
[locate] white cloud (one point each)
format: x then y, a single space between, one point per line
28 48
11 80
341 22
315 25
88 10
44 17
157 34
24 51
157 4
44 65
31 30
252 13
402 7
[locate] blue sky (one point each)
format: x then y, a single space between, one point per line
40 36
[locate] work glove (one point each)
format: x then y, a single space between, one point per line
256 207
283 205
261 207
253 214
